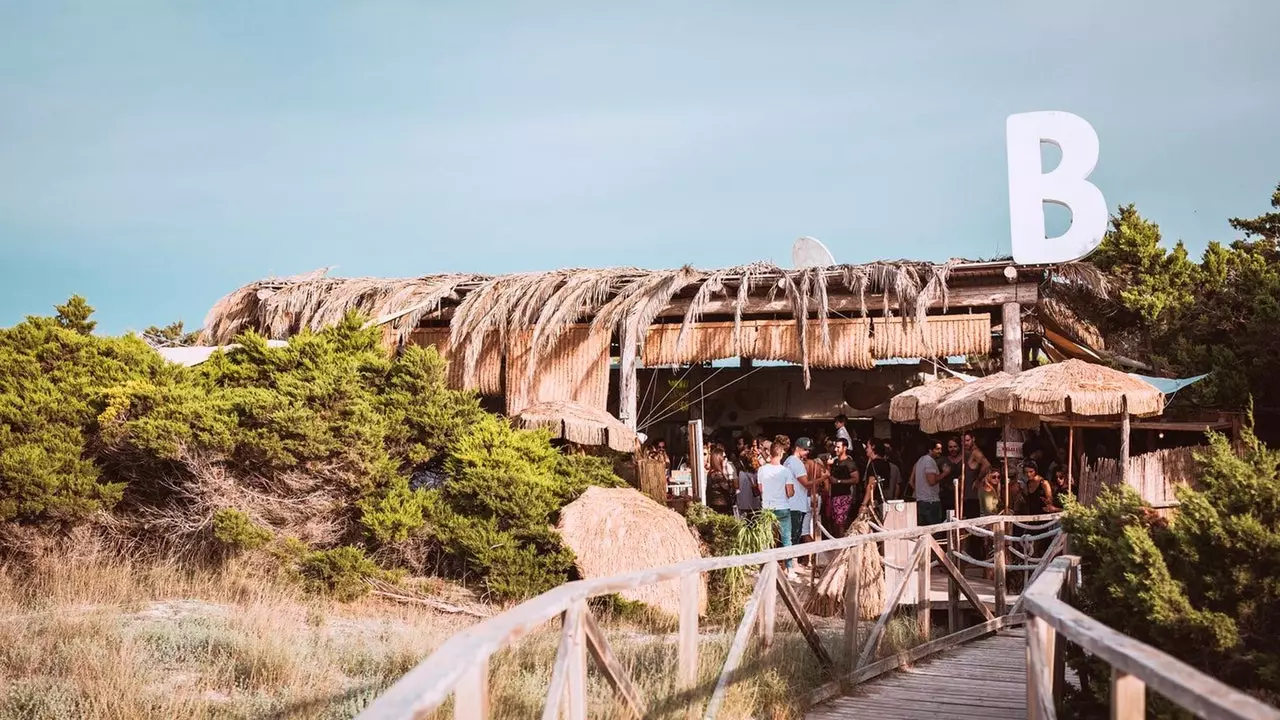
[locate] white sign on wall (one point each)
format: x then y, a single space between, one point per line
1067 185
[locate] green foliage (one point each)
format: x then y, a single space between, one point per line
235 530
494 513
74 316
1204 588
172 335
328 424
1187 318
53 381
341 572
727 535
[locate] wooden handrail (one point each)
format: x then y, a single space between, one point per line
1134 664
425 687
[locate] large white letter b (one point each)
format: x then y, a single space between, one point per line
1067 185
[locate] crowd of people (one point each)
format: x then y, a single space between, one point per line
819 487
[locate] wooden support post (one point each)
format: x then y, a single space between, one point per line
768 576
953 589
628 388
1038 663
769 612
999 580
1011 326
612 670
962 585
1124 440
687 672
796 608
852 580
576 664
1128 696
471 699
1071 456
923 621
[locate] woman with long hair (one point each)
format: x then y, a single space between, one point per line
720 481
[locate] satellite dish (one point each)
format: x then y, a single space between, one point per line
807 253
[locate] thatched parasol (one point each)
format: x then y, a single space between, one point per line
907 406
614 531
578 424
961 408
1075 387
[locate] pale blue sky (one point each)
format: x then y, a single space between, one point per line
154 156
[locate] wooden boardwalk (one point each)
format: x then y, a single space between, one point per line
981 680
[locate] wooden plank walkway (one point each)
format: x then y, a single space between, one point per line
981 680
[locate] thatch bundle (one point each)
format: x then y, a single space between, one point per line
908 405
613 531
579 424
1078 388
963 407
828 597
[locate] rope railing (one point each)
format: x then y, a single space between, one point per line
460 666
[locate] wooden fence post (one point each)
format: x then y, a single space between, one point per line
999 580
687 673
1128 696
923 607
471 698
769 610
852 580
953 589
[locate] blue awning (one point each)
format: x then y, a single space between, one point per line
1169 386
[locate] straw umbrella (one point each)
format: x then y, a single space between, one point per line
1075 387
908 405
578 424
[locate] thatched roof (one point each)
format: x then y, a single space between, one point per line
906 406
578 424
613 531
963 407
1075 387
486 312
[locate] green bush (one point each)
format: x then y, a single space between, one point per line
341 572
322 433
235 530
727 589
1204 588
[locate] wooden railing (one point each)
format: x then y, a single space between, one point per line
1134 666
461 665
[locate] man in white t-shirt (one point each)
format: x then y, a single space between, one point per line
801 512
925 480
776 486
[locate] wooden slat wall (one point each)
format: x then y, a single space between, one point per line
488 376
1154 476
576 370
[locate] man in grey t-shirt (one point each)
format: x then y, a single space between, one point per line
925 480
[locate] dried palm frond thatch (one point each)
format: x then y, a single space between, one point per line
1078 388
578 424
963 407
908 405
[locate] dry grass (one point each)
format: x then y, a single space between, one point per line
99 637
111 639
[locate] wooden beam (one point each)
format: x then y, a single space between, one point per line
471 699
687 670
628 388
1011 329
873 640
1128 696
613 672
801 617
852 579
768 575
960 581
923 621
575 668
560 668
999 579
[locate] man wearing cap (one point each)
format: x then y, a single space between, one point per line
801 513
